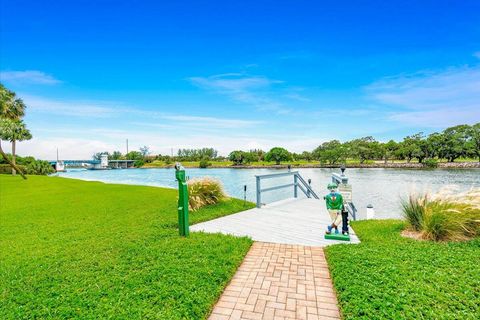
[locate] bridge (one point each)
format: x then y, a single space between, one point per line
103 164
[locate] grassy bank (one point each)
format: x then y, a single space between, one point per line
390 277
88 250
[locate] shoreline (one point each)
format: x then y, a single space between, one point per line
441 165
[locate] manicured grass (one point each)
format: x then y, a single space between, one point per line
88 250
390 277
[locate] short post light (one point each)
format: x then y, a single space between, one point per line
183 227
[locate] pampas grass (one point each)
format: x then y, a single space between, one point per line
445 215
204 191
414 210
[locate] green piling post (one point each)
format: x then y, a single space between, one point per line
183 227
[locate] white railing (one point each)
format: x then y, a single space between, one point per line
298 183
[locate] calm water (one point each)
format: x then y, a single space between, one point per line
383 188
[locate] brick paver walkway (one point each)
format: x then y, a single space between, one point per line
279 281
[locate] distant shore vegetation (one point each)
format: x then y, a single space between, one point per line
458 143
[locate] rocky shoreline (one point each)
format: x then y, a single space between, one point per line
441 165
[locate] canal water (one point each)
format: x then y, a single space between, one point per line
383 188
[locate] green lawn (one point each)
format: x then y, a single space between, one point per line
390 277
88 250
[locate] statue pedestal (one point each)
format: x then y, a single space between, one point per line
339 236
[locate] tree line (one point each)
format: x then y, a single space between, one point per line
461 141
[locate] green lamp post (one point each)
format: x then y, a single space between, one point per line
182 200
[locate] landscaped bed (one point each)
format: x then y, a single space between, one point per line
89 250
388 276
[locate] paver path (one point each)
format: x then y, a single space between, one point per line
279 281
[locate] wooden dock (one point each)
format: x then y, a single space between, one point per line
291 221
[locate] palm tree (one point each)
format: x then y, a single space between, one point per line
13 131
11 109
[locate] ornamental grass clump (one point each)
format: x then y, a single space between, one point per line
204 191
414 210
446 215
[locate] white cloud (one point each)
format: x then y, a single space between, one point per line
93 109
232 82
477 54
433 99
108 109
212 121
251 90
28 77
69 148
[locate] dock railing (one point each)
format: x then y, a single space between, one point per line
298 183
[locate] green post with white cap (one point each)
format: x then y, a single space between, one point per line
183 227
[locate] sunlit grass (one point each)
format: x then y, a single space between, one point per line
89 250
388 276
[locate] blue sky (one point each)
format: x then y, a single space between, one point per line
237 75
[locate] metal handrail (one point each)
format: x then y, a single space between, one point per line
352 210
298 183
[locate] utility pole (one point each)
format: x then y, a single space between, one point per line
57 154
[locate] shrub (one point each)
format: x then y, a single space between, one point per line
39 167
446 215
204 163
430 163
414 210
7 169
138 163
204 191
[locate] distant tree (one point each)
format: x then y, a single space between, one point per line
145 151
305 155
278 155
330 152
366 148
237 157
456 142
116 155
389 150
196 154
14 131
134 155
474 133
410 147
98 155
435 143
257 154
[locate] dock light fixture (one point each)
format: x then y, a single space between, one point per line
244 195
342 168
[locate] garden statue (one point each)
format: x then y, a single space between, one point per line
334 202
